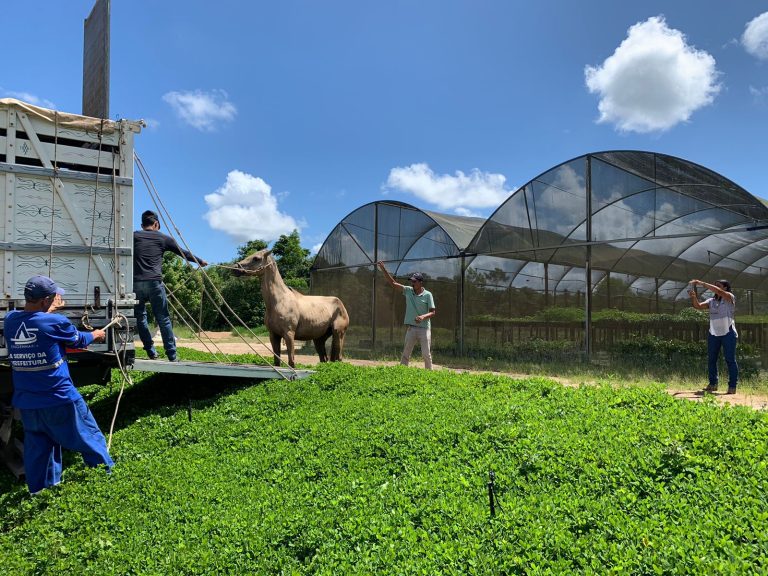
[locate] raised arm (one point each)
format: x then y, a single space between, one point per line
725 295
695 300
388 276
172 246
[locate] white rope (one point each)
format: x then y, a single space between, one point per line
53 186
93 223
126 377
166 218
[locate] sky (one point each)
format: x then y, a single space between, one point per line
268 117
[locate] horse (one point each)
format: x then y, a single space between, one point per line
292 316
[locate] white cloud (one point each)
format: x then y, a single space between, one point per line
755 37
202 110
245 208
653 80
466 212
30 98
759 94
315 249
460 193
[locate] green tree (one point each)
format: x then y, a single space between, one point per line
250 247
188 288
183 284
292 260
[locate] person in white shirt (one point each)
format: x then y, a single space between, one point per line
722 329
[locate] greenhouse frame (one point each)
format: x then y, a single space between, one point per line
593 252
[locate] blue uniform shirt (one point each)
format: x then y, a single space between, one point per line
36 349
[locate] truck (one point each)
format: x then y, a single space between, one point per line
66 185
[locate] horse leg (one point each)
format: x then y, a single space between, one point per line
289 345
320 347
275 339
337 346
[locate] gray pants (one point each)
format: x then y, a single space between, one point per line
424 337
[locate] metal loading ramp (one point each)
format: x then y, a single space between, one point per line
250 371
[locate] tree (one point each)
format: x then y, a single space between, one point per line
183 284
250 247
292 260
242 294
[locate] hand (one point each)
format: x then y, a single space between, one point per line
57 304
202 263
419 319
99 335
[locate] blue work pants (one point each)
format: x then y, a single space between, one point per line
47 430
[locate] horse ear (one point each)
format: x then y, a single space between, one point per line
268 252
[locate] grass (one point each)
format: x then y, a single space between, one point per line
385 470
577 372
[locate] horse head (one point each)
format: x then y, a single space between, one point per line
256 263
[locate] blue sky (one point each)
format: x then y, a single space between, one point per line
269 116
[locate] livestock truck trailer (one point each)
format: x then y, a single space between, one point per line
66 184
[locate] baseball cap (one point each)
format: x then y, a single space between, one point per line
416 276
39 287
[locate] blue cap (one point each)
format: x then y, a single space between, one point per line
39 287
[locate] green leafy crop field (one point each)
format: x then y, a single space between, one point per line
385 471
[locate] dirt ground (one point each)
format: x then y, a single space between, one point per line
225 343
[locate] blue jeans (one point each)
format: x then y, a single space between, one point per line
153 291
48 430
728 344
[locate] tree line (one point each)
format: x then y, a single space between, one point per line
216 298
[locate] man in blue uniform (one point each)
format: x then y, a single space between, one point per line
419 308
53 412
149 245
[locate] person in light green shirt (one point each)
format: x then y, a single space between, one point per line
419 308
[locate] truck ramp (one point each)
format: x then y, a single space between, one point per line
250 371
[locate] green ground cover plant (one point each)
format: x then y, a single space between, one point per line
385 471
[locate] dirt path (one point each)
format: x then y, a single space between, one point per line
225 343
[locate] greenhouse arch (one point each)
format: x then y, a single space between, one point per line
605 235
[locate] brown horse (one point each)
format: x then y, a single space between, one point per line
291 315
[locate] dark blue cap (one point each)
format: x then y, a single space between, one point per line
39 287
416 276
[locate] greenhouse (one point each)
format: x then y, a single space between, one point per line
592 254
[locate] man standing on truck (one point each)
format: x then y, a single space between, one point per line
149 245
53 412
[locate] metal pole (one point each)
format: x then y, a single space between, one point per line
462 279
375 273
588 266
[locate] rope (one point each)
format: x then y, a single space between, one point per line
53 187
233 329
180 311
126 377
93 221
246 271
113 219
163 212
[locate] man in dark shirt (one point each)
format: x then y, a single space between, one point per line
149 245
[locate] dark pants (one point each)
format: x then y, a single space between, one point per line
153 291
728 344
48 430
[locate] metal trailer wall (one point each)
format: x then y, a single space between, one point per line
66 182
